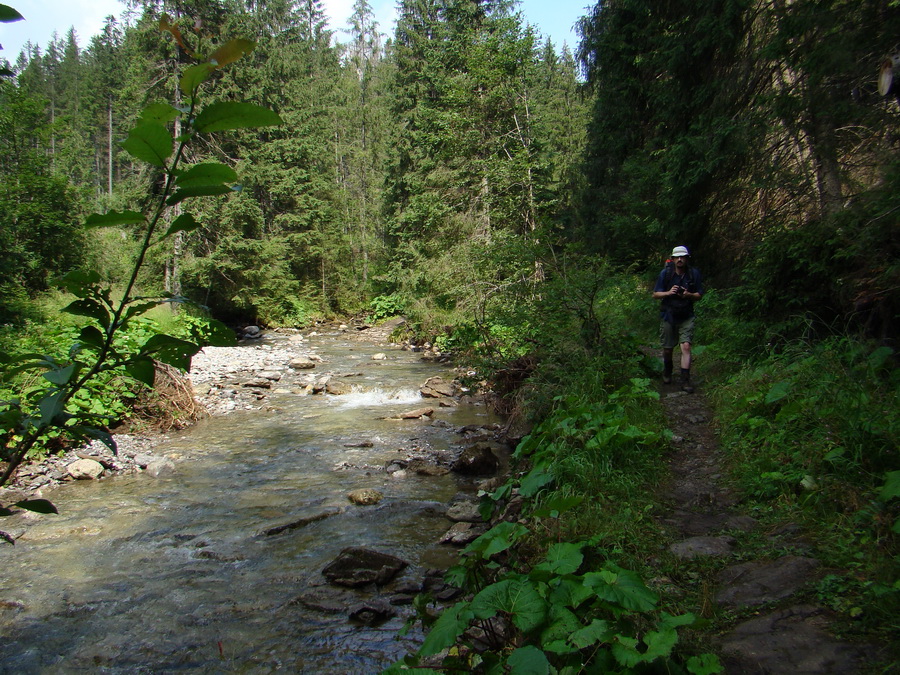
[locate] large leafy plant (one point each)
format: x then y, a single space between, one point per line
53 405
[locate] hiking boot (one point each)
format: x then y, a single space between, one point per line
686 381
687 388
667 379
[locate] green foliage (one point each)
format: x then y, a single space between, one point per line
386 306
558 615
813 431
60 398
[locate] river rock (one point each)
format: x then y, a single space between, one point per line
372 612
436 387
336 388
85 469
272 375
476 460
416 414
358 566
425 468
464 512
365 496
380 356
461 533
160 467
302 363
258 383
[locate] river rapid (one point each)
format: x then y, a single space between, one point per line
178 574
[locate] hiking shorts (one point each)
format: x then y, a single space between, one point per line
671 334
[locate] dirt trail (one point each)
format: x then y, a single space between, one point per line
774 629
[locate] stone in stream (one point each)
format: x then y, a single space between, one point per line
302 363
358 566
414 414
436 387
337 388
365 496
425 468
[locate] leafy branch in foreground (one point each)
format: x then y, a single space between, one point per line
25 420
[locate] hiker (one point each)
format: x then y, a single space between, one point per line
679 286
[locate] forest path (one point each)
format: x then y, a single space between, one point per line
763 593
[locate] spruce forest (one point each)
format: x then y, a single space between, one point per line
515 201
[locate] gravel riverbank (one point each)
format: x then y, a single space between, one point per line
222 380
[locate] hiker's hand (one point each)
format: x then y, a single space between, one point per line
674 290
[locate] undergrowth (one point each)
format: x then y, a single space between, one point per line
812 429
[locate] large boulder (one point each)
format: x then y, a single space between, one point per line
358 566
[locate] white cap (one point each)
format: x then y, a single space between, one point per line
679 251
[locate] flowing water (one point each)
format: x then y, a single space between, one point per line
175 574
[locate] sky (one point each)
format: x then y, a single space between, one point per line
552 18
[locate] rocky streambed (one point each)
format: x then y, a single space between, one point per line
335 477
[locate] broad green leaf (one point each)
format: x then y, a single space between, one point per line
90 308
142 369
198 191
150 142
537 478
552 508
891 487
497 539
91 335
37 505
659 643
528 660
8 14
625 651
705 664
52 409
62 376
563 623
225 115
194 76
445 631
570 593
621 587
161 113
563 558
597 632
170 350
230 52
183 223
111 218
211 173
516 597
670 621
778 391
